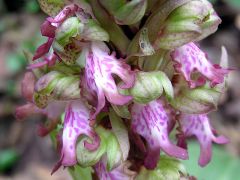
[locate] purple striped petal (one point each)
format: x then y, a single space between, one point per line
99 82
189 58
76 123
120 173
199 126
152 121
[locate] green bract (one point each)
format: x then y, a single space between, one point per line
149 86
198 100
57 86
109 146
167 168
70 28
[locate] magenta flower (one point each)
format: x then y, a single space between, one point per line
48 29
98 78
189 59
76 123
117 111
152 121
199 126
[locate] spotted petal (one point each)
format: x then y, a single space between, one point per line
189 58
76 123
152 121
199 126
99 82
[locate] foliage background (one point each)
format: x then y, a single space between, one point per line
24 155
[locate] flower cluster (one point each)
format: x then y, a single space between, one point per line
126 68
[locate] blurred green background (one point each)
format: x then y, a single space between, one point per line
24 155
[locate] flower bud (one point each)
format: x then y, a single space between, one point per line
149 86
57 86
176 23
187 23
127 14
167 168
196 101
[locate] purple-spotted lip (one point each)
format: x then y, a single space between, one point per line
152 121
189 58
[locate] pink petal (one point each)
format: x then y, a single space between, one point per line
98 79
199 126
152 122
43 49
189 58
48 30
76 123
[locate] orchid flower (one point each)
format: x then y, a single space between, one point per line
49 27
189 58
199 126
152 121
98 77
76 123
